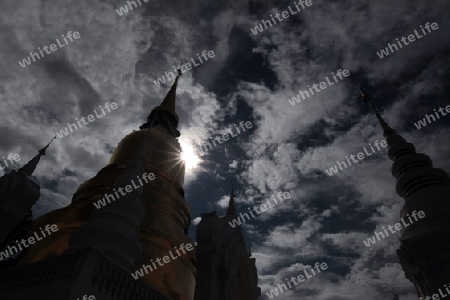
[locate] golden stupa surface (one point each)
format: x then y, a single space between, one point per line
167 215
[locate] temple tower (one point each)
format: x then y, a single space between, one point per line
226 270
18 193
153 224
425 244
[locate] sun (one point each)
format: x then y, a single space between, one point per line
188 155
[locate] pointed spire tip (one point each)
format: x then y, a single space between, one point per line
365 95
387 130
231 205
42 151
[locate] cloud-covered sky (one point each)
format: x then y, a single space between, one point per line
251 78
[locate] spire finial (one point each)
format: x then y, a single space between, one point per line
386 128
42 151
168 104
29 168
231 205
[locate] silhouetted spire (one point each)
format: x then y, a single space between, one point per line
424 188
168 104
231 205
386 128
397 145
414 171
29 168
164 115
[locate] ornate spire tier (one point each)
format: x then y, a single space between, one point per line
425 243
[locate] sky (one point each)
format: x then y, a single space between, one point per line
251 78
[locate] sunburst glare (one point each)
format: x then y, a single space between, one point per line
188 155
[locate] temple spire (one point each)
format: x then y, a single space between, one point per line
387 130
424 188
164 115
397 145
29 168
231 205
168 104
